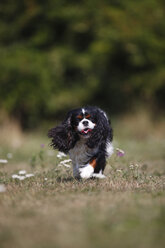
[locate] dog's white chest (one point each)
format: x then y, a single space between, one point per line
81 154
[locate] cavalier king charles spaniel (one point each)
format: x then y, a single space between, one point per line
86 135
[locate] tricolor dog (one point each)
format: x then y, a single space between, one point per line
86 135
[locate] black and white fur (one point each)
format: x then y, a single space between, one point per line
86 135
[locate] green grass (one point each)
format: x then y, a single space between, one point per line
52 209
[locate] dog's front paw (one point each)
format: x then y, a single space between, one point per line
98 175
86 172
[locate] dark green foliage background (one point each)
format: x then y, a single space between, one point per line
60 54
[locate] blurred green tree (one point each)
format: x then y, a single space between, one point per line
56 55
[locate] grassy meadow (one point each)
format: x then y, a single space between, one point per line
51 209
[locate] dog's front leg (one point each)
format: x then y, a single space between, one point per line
76 172
87 171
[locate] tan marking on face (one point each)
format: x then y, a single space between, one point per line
87 116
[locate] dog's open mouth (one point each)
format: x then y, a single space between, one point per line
86 131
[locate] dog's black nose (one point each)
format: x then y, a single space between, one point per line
85 123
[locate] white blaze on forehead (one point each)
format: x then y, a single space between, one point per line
83 111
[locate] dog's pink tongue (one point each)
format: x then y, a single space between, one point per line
86 131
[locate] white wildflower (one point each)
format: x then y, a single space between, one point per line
29 175
45 179
131 166
61 154
21 177
120 171
2 188
3 161
64 163
14 176
18 177
67 165
22 172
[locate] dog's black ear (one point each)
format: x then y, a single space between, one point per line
102 131
63 136
59 138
